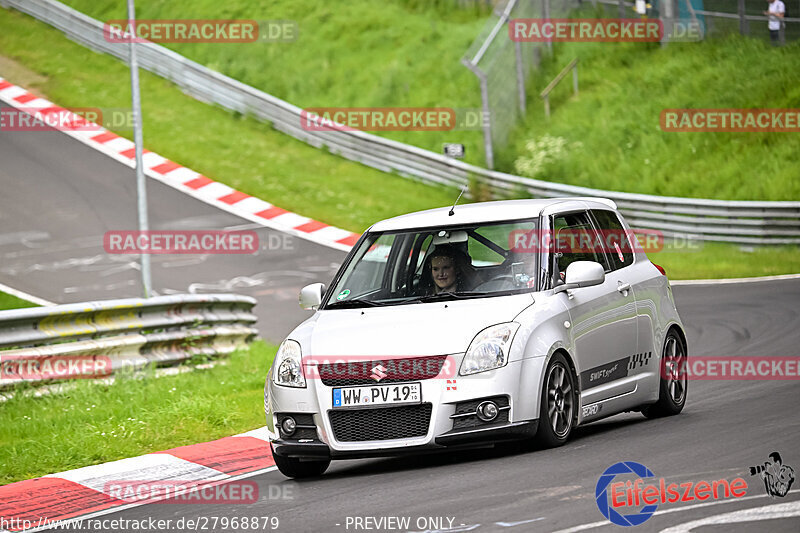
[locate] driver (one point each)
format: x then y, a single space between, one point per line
446 269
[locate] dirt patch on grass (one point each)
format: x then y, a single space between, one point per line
18 74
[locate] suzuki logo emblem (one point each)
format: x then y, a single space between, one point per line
378 372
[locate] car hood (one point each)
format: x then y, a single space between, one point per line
435 328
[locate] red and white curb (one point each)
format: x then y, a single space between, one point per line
184 179
86 492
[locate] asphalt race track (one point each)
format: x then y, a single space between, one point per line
726 427
61 196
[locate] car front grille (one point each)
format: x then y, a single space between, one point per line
354 373
357 425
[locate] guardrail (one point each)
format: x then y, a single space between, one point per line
94 339
719 220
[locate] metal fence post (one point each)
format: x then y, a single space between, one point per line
668 19
545 94
487 122
141 183
546 15
743 26
622 9
486 118
520 76
575 78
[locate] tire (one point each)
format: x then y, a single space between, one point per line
674 380
558 406
295 468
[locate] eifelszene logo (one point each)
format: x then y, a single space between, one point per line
615 498
607 508
778 477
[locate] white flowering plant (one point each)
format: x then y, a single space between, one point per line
543 154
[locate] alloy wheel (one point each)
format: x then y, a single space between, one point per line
559 400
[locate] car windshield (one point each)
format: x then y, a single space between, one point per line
431 264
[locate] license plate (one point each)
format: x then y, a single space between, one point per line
377 395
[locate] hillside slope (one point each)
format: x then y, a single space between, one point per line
613 136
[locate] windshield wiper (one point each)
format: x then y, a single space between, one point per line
465 295
355 302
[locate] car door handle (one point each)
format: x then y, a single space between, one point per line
623 287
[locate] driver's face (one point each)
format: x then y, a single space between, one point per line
444 273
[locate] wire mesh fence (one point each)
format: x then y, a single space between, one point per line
504 67
747 18
723 17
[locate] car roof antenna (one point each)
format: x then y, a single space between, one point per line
452 209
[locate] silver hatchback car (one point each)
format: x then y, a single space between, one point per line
482 323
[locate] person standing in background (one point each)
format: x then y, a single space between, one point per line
775 13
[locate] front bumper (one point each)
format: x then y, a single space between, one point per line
509 431
465 438
518 382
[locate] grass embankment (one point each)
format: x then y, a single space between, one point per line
404 53
254 158
612 130
718 260
8 301
359 53
93 423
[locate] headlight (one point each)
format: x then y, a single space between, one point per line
289 365
489 349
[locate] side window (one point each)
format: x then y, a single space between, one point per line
495 240
574 239
614 237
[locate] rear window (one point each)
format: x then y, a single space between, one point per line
615 239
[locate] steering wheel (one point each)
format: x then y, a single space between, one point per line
500 282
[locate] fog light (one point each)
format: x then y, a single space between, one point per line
487 411
288 426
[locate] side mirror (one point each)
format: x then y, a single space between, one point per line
582 274
311 296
